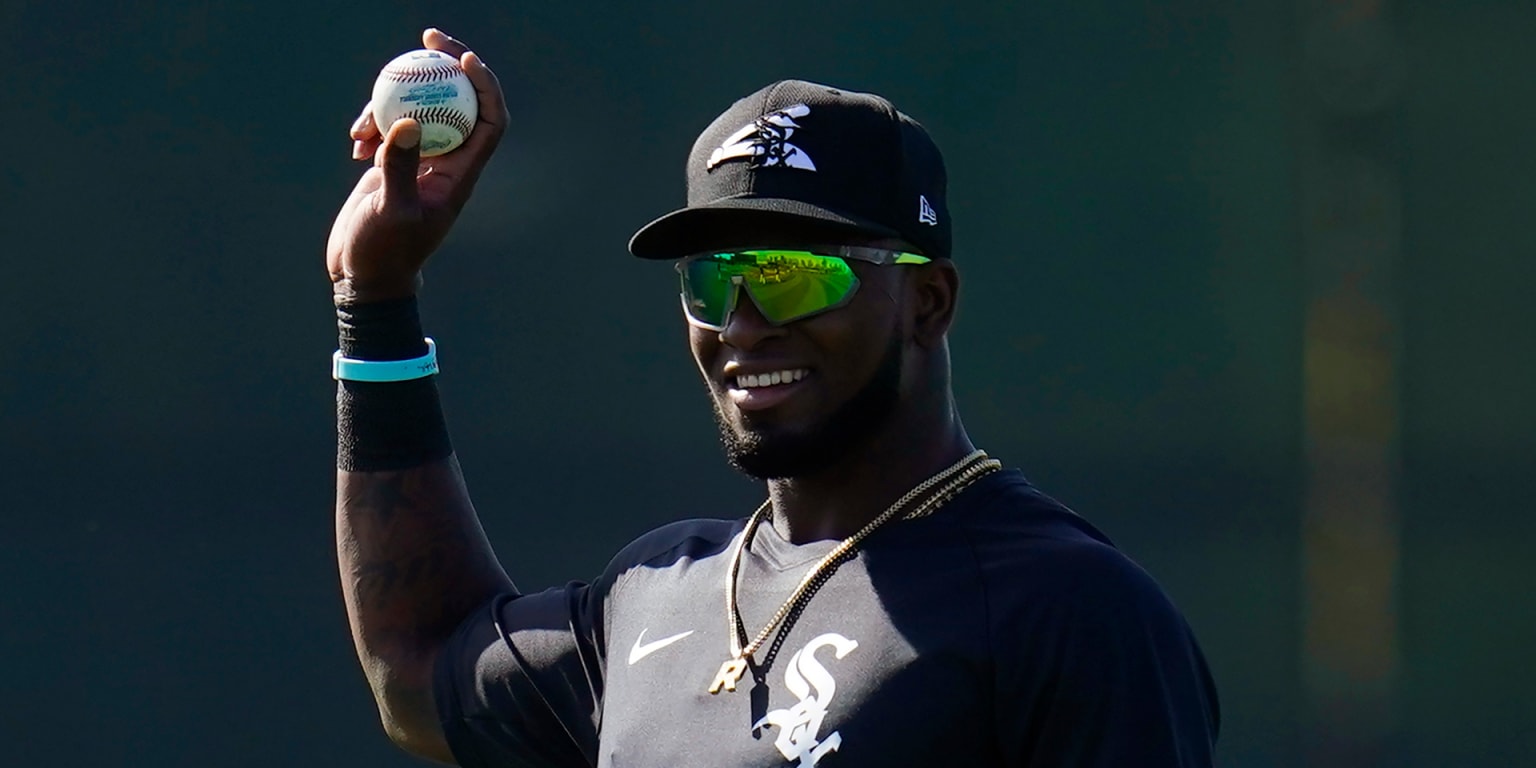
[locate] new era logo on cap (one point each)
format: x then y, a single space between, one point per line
801 161
925 212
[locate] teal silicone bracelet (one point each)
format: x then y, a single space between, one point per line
351 369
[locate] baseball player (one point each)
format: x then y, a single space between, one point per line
900 598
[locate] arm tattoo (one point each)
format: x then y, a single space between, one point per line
414 558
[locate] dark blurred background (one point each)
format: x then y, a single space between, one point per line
1246 286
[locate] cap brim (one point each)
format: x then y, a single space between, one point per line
744 221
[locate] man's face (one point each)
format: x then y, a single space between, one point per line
840 378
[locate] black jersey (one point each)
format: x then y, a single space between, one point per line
1003 630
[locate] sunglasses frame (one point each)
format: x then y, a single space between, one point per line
877 256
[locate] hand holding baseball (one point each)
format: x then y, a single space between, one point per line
405 204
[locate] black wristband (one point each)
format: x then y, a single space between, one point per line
386 425
384 330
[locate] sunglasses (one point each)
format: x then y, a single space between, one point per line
786 285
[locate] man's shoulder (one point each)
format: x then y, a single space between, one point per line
674 543
1006 508
1023 539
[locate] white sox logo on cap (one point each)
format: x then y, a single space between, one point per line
765 142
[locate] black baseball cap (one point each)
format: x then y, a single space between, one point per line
811 158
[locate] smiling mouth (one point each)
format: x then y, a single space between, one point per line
763 391
770 379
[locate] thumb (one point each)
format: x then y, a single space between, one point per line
398 157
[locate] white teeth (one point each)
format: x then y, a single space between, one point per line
752 380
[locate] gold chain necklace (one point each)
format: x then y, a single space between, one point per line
953 479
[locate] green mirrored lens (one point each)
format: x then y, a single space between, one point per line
785 285
791 285
707 290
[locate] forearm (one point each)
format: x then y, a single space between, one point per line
413 558
414 562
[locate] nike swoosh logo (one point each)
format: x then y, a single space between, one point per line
641 651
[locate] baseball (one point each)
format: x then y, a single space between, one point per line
430 87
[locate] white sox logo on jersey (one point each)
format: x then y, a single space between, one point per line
798 725
765 142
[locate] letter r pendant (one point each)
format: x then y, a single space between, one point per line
730 672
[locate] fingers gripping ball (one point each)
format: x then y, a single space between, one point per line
430 87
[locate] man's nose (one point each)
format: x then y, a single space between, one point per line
747 327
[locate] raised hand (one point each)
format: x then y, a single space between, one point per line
403 206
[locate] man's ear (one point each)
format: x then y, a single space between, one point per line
933 289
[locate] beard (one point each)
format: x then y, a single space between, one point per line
768 453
